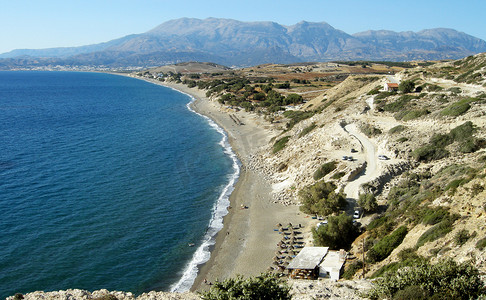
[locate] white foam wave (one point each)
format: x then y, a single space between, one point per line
219 210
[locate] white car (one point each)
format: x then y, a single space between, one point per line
356 214
322 223
383 157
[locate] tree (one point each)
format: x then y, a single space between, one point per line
368 202
339 232
265 286
321 198
406 86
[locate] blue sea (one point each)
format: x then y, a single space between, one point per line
105 181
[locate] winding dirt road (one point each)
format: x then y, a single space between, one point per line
371 171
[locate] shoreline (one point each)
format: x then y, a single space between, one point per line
247 242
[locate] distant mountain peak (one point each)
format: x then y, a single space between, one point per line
233 42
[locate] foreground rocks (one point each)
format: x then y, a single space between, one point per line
76 294
301 290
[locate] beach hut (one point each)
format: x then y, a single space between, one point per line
306 264
314 262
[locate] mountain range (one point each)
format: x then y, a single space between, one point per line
235 43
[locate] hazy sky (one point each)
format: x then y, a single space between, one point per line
36 24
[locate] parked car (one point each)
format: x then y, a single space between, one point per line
322 223
353 150
356 214
383 157
350 158
345 157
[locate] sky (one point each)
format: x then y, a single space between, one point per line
37 24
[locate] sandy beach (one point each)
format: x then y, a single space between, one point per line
247 243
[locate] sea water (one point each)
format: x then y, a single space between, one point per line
106 182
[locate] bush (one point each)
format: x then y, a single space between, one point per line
461 237
352 269
324 170
406 86
339 232
280 144
370 130
397 129
368 202
321 198
481 244
445 280
433 217
385 246
338 175
307 130
456 109
437 231
265 286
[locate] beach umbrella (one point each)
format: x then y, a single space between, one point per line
279 225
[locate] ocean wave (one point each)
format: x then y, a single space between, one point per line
219 210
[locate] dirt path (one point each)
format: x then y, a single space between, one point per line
372 168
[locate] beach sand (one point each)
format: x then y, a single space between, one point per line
247 243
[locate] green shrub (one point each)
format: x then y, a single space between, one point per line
481 244
338 175
429 152
280 144
397 129
445 280
324 170
339 232
265 286
435 216
412 292
398 105
370 130
437 231
307 130
296 116
368 202
456 109
461 237
322 199
385 246
406 86
352 269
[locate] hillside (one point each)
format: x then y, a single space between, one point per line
235 43
420 152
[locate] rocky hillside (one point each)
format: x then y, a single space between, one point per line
433 176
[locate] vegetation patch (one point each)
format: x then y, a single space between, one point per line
321 199
385 246
408 115
437 231
352 269
458 108
296 116
370 130
308 129
280 144
397 129
435 149
265 286
444 280
325 169
339 232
